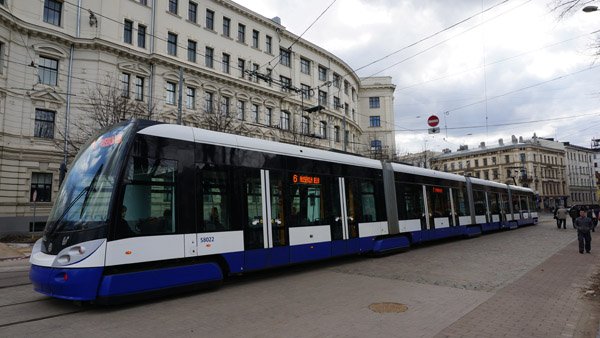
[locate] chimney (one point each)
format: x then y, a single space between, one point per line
500 142
513 139
277 20
482 145
521 139
446 151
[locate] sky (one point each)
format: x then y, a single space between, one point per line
507 68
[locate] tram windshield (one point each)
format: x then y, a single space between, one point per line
84 199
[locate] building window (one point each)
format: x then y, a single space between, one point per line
139 88
125 84
242 67
336 80
255 67
336 102
346 86
346 110
208 57
190 98
241 33
495 174
241 111
144 2
322 98
210 19
171 92
225 63
173 6
305 91
323 129
225 105
305 125
193 12
2 49
172 44
284 57
376 145
208 102
226 26
269 116
353 114
285 120
374 102
374 121
41 187
48 71
191 51
128 31
44 123
141 37
52 12
255 41
322 73
336 134
286 83
305 66
269 44
255 113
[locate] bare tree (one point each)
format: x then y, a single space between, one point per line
295 135
102 106
565 8
217 115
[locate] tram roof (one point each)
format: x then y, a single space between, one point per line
198 135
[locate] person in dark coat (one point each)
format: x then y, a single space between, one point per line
561 217
574 212
583 224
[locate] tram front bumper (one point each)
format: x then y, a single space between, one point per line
72 284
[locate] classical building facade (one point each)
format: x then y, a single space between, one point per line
535 163
180 61
422 159
581 174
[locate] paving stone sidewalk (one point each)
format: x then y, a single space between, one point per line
548 301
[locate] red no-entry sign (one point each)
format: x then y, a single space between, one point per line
433 121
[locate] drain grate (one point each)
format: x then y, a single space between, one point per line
387 307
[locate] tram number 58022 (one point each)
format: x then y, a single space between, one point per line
210 239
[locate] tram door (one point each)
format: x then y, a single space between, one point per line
265 235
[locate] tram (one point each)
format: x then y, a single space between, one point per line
150 208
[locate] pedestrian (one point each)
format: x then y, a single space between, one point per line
554 211
583 224
574 212
561 217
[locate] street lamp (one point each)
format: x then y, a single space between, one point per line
589 9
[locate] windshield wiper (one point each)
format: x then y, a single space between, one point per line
85 191
90 188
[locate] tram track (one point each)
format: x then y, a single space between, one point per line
26 302
42 318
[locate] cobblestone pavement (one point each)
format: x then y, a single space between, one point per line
521 283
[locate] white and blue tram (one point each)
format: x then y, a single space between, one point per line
150 207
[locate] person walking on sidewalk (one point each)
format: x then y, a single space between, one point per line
561 217
583 224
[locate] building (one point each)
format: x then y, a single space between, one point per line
581 174
536 163
173 61
421 159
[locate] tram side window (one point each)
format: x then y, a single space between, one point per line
531 201
215 200
504 203
367 201
149 198
523 200
461 201
410 201
311 200
494 203
479 201
516 205
439 199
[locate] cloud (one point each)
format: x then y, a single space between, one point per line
508 49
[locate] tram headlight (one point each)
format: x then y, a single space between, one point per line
76 253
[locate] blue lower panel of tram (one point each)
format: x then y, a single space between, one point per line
143 281
71 284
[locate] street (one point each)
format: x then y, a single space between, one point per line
438 284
